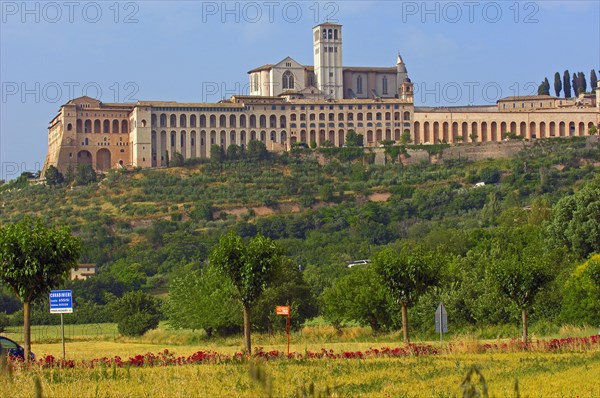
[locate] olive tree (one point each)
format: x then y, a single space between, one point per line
520 274
35 258
250 267
407 273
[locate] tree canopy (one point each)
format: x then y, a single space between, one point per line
35 258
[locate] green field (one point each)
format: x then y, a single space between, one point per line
569 373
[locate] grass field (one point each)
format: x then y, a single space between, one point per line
539 374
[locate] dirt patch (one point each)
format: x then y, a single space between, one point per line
379 197
263 211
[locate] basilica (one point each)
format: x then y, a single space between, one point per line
292 103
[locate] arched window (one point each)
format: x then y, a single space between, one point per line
330 34
193 121
115 126
106 127
359 85
124 127
163 120
173 121
182 121
288 80
324 33
335 34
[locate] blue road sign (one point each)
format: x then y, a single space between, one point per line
61 301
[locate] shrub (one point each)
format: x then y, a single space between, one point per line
135 313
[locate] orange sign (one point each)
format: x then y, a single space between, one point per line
282 310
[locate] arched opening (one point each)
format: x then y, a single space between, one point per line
106 126
183 144
163 148
523 129
273 121
242 120
417 133
173 121
436 132
445 133
532 130
494 132
84 157
552 129
232 121
182 121
96 126
124 127
213 121
263 121
202 120
163 120
465 131
222 121
426 137
193 121
561 129
79 126
542 130
484 132
282 122
581 129
193 144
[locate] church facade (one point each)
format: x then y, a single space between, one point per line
290 103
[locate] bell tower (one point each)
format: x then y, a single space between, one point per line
327 45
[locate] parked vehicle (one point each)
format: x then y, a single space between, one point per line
11 348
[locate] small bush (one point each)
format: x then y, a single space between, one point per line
135 313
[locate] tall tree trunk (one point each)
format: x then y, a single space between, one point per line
405 323
524 320
247 342
27 329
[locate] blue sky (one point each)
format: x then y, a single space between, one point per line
457 53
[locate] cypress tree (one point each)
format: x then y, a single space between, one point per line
575 85
581 83
593 80
567 83
557 84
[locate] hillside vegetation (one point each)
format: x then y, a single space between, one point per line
145 228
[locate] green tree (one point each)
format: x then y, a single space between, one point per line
567 84
176 160
217 153
353 139
203 299
234 152
250 267
575 221
358 296
581 301
544 87
85 174
593 80
35 258
575 85
53 176
257 150
520 274
405 137
581 83
593 130
407 273
557 84
135 313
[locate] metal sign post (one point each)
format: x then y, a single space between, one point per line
441 320
285 311
61 302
